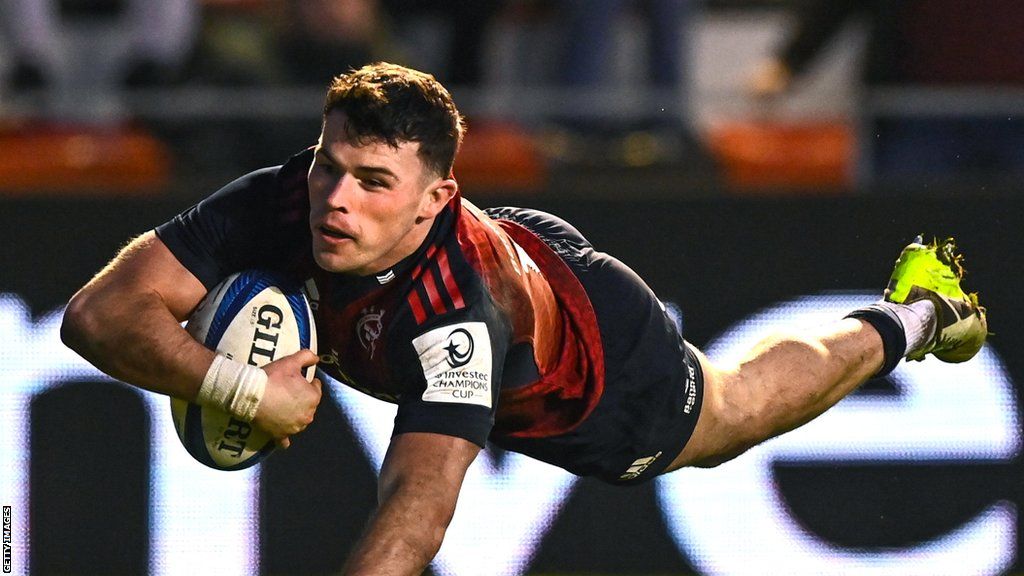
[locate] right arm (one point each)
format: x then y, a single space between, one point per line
126 321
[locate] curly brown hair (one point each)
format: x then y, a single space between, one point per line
392 103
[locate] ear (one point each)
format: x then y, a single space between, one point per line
437 197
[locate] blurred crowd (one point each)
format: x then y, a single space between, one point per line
268 42
939 82
78 56
74 60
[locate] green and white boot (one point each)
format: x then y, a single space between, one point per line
933 272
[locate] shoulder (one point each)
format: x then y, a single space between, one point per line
292 174
486 246
277 193
287 177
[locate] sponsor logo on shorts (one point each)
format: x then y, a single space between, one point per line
638 466
690 391
456 363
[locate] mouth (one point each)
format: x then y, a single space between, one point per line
334 234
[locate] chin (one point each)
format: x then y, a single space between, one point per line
332 262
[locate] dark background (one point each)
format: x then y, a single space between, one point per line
720 258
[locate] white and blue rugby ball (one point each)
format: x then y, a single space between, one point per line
253 317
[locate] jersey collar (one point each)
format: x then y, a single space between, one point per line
355 286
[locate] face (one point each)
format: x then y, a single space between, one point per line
370 205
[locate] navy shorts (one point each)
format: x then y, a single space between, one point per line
653 381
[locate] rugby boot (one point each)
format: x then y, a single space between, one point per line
933 272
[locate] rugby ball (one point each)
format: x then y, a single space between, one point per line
254 317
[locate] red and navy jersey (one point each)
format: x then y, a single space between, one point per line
484 331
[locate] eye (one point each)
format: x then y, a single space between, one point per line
322 164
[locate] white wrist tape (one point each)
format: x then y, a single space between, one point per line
233 387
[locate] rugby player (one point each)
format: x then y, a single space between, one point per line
502 325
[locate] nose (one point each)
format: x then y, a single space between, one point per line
342 194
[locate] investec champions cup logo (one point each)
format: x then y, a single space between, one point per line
459 348
456 363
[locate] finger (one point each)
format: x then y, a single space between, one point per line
316 382
284 443
306 357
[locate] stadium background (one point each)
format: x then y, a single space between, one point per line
723 246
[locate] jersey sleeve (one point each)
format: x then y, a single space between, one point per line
245 224
458 364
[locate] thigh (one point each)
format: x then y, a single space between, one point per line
634 433
701 447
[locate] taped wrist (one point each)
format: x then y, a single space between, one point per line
233 387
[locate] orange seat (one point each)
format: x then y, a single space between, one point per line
81 160
499 155
801 156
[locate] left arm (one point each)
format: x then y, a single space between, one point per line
419 486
